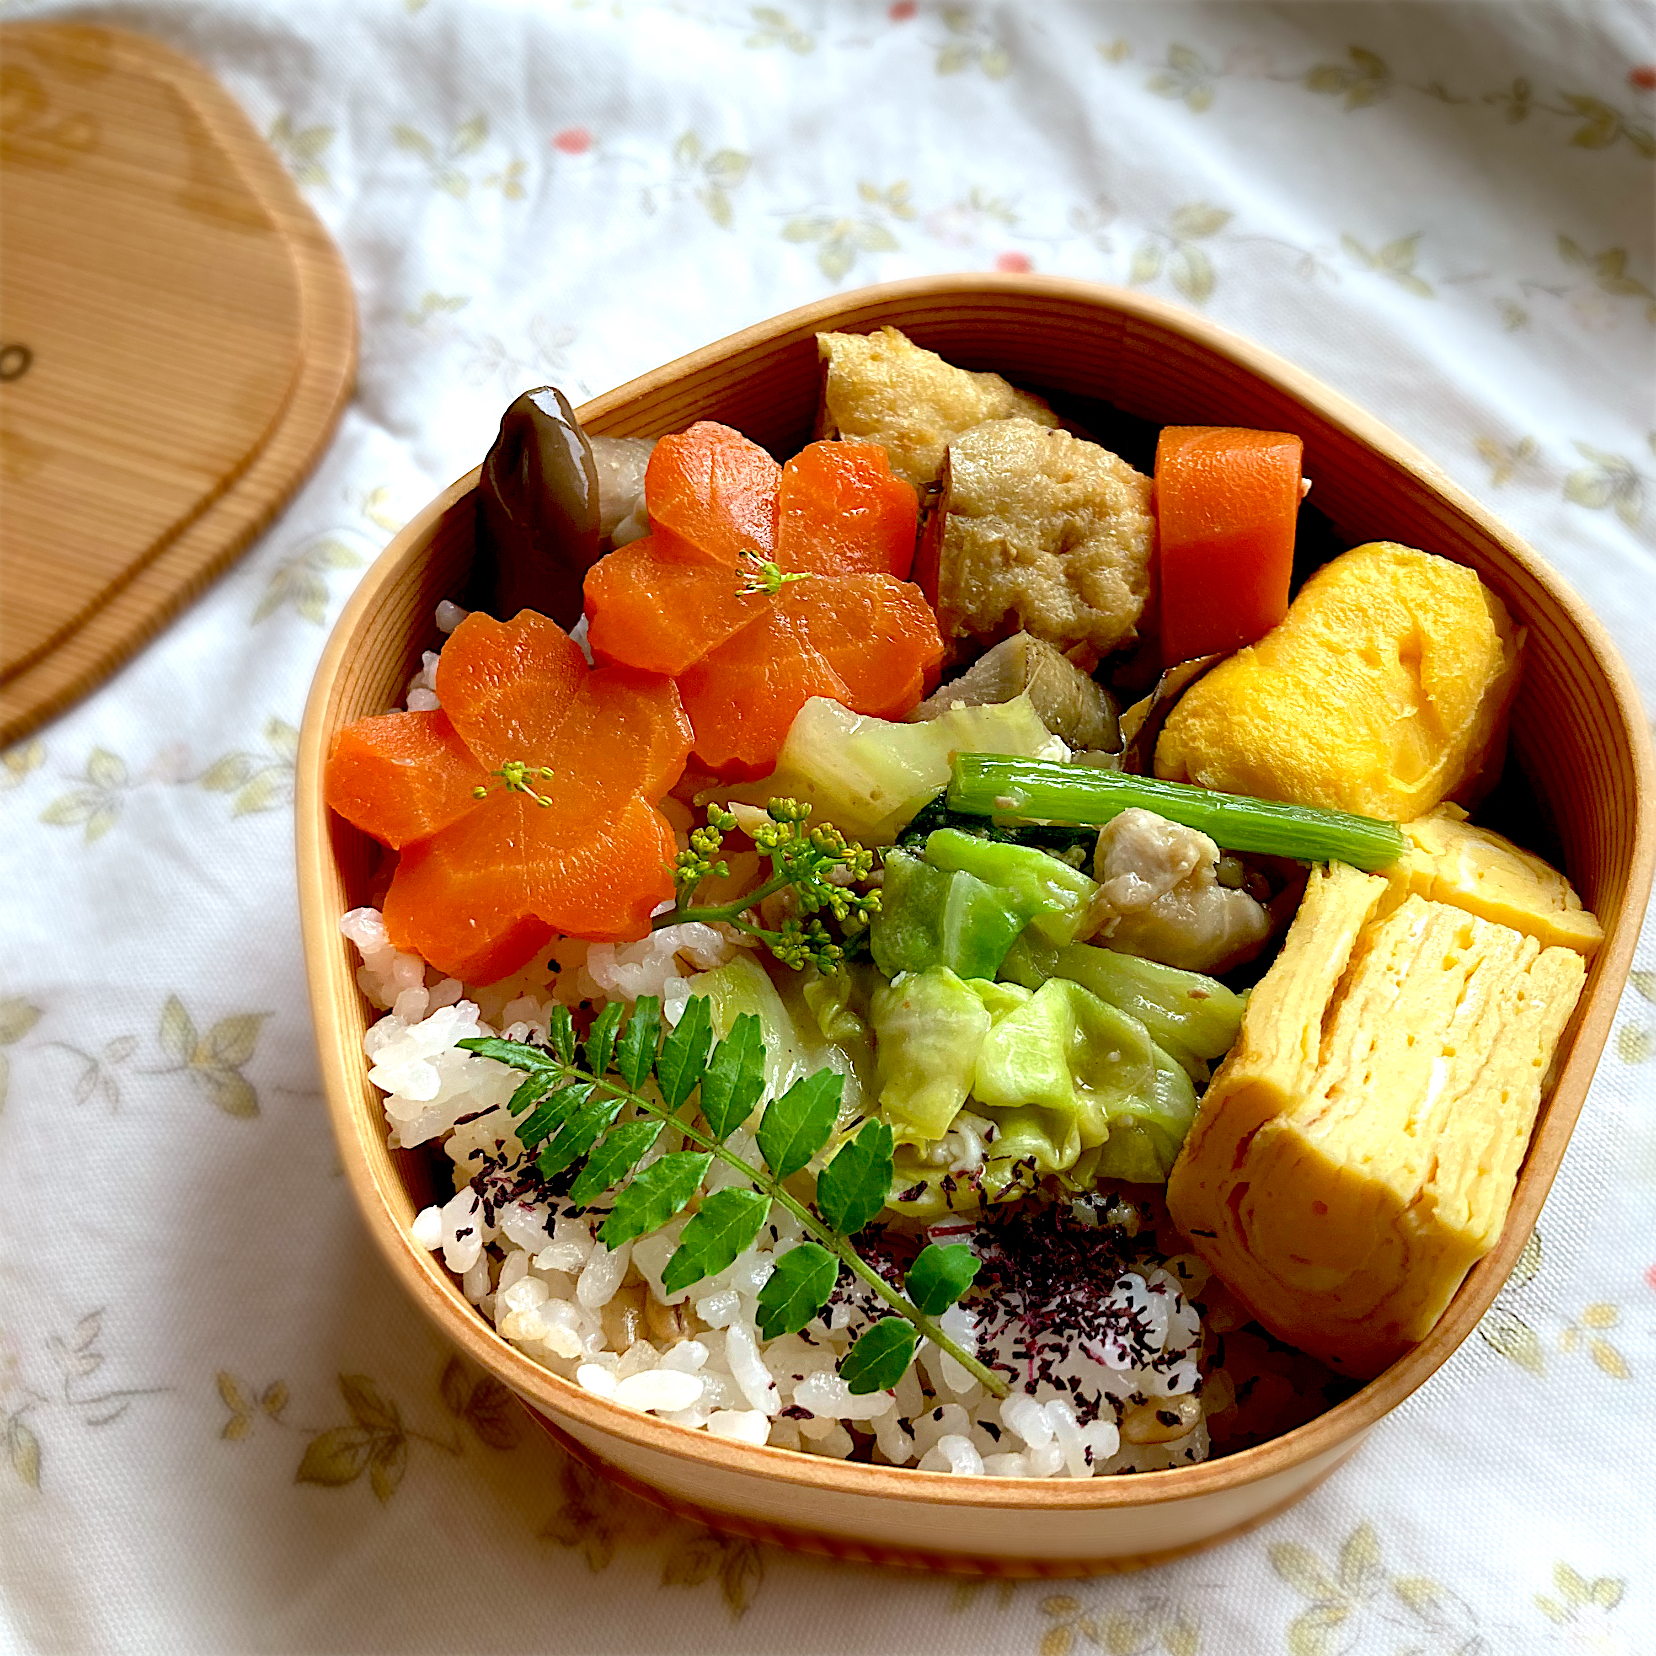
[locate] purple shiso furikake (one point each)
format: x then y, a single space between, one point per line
1064 1300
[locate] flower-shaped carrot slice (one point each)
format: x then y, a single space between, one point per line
713 491
660 607
751 637
877 633
840 511
742 696
525 807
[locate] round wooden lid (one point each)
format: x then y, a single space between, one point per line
177 339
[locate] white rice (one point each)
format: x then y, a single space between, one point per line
603 1320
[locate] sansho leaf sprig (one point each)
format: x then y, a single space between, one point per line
570 1103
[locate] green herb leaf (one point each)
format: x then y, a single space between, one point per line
650 1200
797 1289
850 1191
616 1154
797 1125
684 1052
854 1185
940 1276
735 1077
560 1033
635 1052
579 1133
552 1112
719 1230
600 1042
880 1358
531 1091
517 1055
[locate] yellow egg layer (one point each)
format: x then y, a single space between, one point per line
1450 861
1383 691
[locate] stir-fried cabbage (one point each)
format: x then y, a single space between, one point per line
929 1028
933 917
1079 1064
1052 895
868 776
794 1047
1069 1084
1191 1017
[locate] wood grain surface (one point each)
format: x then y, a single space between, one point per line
177 337
1578 734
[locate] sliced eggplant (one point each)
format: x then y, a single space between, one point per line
1141 724
1066 701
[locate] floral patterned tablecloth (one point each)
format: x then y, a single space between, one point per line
222 1427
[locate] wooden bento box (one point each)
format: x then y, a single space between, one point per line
1578 738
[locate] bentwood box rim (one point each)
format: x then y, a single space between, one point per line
1041 302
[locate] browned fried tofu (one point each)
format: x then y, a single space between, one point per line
882 388
1045 532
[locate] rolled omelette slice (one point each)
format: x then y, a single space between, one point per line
1357 1152
1384 690
1449 860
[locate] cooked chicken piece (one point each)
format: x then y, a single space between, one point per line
1043 531
882 388
1159 896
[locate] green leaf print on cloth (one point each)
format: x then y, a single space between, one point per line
257 781
214 1060
29 1397
302 149
1350 1594
1175 251
301 582
840 238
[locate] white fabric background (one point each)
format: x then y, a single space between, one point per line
578 192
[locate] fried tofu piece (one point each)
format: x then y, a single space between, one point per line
1356 1153
882 388
1384 691
1041 531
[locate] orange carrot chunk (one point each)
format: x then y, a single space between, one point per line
715 490
840 511
742 697
506 684
1226 504
525 807
625 735
607 885
461 900
762 586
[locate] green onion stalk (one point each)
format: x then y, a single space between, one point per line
1003 787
